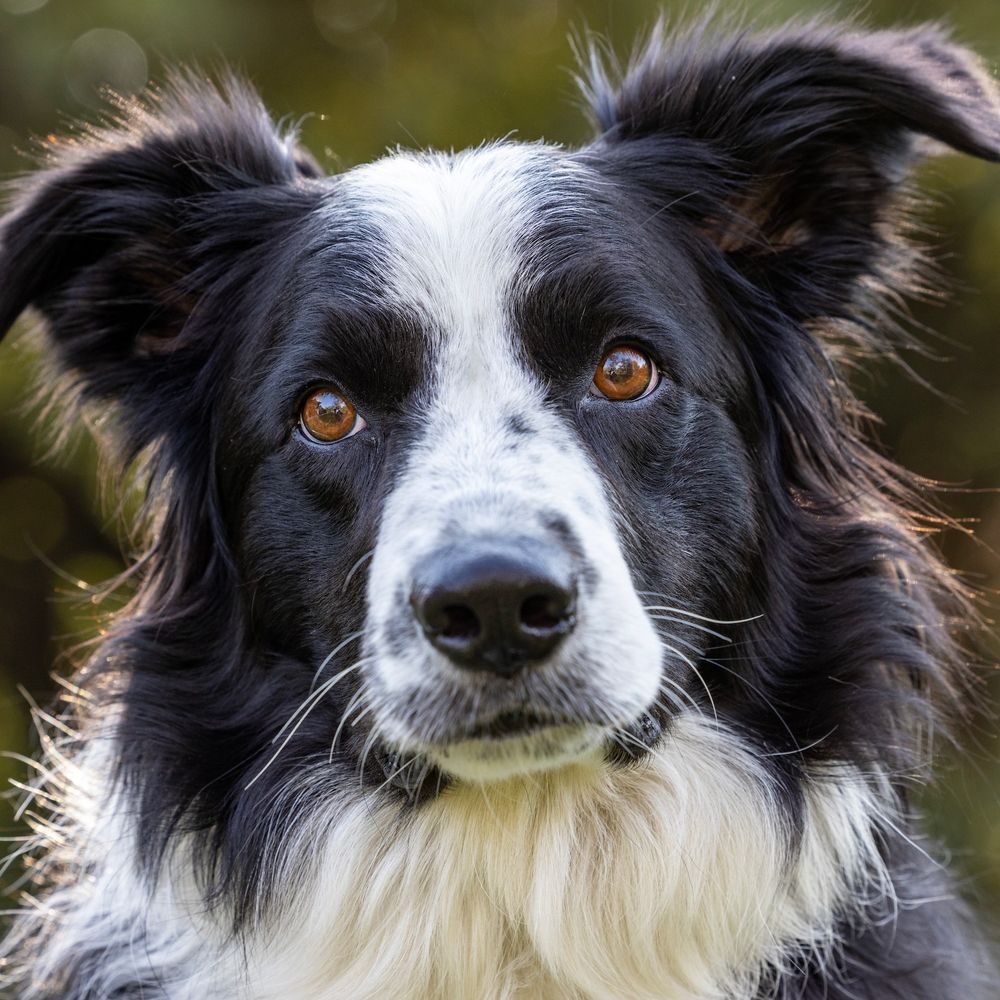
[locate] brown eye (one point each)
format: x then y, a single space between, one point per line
624 373
328 416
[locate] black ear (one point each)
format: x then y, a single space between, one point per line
786 149
130 230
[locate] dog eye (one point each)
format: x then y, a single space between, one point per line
624 373
327 416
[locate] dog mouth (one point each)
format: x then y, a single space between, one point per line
512 741
512 724
453 731
515 742
518 740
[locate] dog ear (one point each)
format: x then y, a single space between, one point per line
786 149
131 229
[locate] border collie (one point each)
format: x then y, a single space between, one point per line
522 611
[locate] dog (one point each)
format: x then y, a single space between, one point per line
522 610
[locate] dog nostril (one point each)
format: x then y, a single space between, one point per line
460 622
540 613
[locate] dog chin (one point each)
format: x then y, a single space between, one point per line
495 759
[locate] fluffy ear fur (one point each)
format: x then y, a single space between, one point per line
797 141
135 243
131 229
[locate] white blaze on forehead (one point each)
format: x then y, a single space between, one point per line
454 231
453 227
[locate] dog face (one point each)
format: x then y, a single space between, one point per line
462 467
486 465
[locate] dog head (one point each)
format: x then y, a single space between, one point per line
462 466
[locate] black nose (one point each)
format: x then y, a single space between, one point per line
496 606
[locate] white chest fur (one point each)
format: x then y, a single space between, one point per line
671 881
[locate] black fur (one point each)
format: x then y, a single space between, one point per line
194 279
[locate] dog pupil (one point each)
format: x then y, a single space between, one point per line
620 368
330 409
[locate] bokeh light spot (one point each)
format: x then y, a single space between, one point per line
525 25
338 20
22 6
105 58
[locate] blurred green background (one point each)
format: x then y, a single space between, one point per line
363 75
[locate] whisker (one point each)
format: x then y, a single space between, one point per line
355 568
677 702
418 785
309 701
360 716
395 774
627 740
703 618
697 650
767 700
336 649
800 750
303 712
687 659
356 698
684 621
370 742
